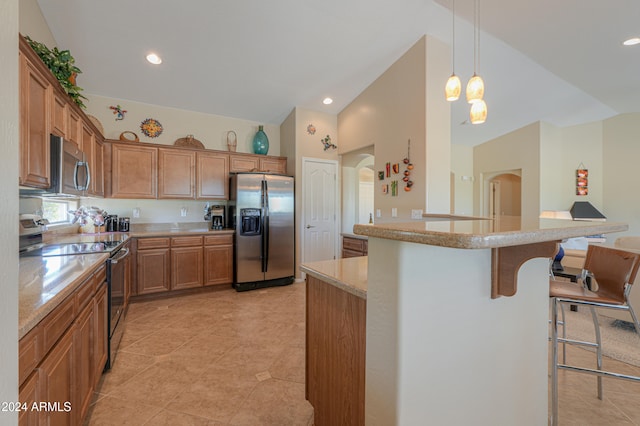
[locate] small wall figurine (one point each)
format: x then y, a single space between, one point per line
327 143
118 111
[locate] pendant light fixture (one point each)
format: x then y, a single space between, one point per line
478 112
453 87
475 86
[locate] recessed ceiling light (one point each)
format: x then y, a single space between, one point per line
632 41
327 101
154 59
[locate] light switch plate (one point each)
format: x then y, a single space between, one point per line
394 212
378 213
136 212
416 213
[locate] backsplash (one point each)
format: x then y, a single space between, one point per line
151 211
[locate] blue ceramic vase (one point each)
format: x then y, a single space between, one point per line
260 142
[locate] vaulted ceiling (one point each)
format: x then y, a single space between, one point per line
556 61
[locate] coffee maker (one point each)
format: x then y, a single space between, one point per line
216 217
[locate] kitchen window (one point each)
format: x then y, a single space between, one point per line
57 211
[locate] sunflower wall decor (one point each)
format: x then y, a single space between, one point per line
151 127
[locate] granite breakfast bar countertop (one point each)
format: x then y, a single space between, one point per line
475 233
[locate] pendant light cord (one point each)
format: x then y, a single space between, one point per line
453 37
475 37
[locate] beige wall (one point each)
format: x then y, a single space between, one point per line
398 106
562 152
621 152
209 129
518 150
32 23
9 136
462 168
297 144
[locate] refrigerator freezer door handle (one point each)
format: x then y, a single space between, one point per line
265 227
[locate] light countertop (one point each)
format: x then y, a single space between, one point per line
486 233
348 274
46 281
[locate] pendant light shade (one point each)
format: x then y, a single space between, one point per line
478 113
475 89
453 88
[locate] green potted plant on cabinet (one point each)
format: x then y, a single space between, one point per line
62 65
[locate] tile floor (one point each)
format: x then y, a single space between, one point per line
578 398
215 358
228 358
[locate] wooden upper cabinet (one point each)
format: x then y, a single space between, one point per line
59 116
35 126
134 171
273 164
243 163
176 173
93 154
97 172
257 163
74 127
213 174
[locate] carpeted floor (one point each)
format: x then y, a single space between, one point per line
619 339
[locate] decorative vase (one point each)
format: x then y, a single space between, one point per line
260 142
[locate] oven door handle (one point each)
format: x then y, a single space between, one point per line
122 253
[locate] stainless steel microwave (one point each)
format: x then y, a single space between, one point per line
70 174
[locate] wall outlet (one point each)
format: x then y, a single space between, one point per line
378 213
394 212
136 212
183 211
416 213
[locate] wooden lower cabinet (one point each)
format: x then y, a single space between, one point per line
166 264
61 362
354 247
29 394
218 265
186 267
153 268
57 382
335 352
83 366
101 331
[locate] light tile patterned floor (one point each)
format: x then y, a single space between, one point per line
228 358
215 358
578 398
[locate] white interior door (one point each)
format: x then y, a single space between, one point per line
319 224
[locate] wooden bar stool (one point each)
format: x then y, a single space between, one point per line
613 272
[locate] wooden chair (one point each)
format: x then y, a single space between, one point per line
613 272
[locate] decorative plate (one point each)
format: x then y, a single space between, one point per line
151 127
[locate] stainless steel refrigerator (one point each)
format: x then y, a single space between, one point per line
261 210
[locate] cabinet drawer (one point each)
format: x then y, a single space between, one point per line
30 353
56 323
101 276
215 240
85 292
353 244
185 241
151 243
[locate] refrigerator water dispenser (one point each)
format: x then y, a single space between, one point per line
250 222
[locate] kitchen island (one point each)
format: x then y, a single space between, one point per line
456 319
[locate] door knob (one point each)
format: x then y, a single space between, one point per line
309 226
